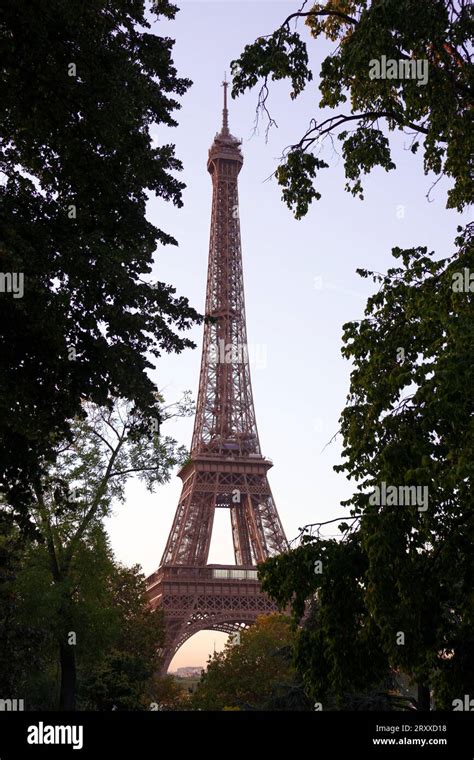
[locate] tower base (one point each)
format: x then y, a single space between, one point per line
223 598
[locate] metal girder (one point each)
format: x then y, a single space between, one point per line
226 467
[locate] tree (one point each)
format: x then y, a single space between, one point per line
70 501
80 317
167 694
417 433
338 647
427 92
122 678
408 443
256 674
24 641
110 628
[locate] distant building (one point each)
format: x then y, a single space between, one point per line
189 672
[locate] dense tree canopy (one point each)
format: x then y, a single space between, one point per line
81 86
106 624
337 647
120 677
409 422
67 510
433 104
24 642
408 560
254 674
167 693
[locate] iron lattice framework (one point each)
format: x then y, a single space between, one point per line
226 468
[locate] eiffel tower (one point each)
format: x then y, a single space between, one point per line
226 468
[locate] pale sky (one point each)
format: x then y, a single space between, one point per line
300 279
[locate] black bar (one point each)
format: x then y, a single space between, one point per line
321 734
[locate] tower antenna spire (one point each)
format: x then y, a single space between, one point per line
225 112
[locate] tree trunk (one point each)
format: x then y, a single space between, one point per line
67 694
423 698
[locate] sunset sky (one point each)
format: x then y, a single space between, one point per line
300 280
